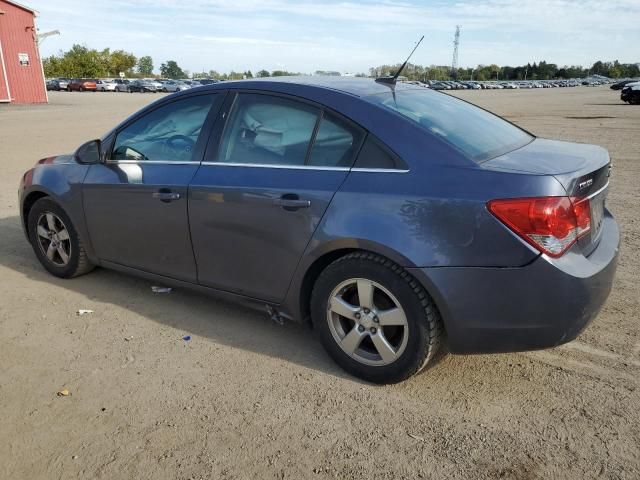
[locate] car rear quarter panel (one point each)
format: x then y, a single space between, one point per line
434 218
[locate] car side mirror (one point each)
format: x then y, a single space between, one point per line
89 153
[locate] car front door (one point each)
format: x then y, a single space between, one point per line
135 202
269 174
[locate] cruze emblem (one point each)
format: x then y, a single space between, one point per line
585 184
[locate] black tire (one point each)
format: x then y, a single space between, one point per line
78 263
424 325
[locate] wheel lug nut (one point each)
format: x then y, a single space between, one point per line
373 330
366 311
360 328
376 319
358 316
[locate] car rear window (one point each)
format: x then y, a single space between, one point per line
480 135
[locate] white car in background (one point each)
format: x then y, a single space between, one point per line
156 83
105 86
174 86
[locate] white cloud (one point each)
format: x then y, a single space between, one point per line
350 35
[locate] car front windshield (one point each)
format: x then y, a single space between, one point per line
480 135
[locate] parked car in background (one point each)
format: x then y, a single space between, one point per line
82 84
57 84
620 85
105 86
631 93
440 86
207 81
141 86
395 218
154 82
122 84
174 86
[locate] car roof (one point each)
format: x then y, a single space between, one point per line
357 86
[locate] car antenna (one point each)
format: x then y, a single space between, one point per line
392 80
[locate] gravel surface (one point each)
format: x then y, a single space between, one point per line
246 398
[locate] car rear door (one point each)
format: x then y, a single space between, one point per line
269 174
136 201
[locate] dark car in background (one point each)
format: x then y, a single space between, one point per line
622 84
141 86
81 85
394 218
631 93
57 84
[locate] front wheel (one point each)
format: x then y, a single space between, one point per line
55 240
374 319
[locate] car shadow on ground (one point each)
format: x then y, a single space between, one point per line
190 312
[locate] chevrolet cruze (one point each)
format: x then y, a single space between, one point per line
394 218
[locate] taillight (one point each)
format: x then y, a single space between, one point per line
550 224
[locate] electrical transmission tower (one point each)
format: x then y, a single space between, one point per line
454 62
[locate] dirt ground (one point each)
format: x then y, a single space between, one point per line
246 398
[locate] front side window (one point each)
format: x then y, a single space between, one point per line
267 130
166 133
477 133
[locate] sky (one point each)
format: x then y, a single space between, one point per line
347 35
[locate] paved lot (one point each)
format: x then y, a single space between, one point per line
246 398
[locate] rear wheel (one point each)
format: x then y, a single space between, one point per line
55 240
374 319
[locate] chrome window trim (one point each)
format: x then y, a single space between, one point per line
266 165
379 170
154 162
304 167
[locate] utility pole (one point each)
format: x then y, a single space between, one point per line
454 61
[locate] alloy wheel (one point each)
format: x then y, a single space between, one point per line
53 239
367 322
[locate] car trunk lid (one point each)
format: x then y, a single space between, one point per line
582 169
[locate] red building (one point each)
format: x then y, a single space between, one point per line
21 75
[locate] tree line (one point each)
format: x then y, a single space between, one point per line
83 62
535 71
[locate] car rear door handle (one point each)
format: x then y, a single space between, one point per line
291 201
166 195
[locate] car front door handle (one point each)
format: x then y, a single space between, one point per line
166 196
291 202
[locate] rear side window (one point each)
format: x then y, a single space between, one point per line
375 155
336 143
267 130
480 135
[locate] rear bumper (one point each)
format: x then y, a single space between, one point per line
541 305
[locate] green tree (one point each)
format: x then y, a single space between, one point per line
121 61
145 65
263 73
170 69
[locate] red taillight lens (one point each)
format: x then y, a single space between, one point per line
550 224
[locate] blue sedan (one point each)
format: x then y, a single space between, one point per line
393 218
